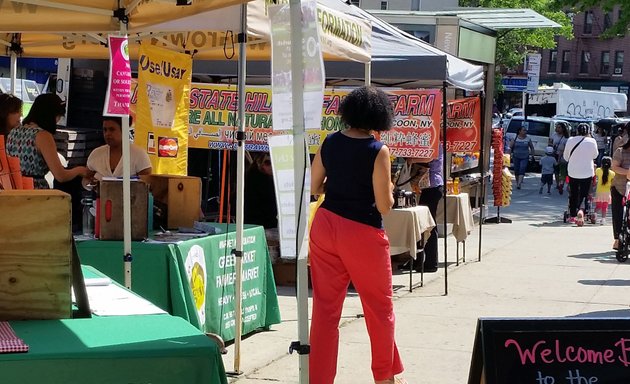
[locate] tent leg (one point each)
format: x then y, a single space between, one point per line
13 75
240 188
444 111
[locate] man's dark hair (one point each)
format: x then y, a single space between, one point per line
367 108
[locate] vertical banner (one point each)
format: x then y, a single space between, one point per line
463 128
118 94
163 98
313 74
281 152
532 68
416 121
281 147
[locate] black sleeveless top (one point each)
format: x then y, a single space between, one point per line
349 163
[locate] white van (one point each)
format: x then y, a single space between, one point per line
539 129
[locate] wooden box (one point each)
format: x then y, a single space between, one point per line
110 215
177 197
35 255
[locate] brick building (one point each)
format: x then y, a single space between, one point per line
589 61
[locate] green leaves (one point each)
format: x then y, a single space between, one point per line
514 44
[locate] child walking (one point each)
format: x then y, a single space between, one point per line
602 192
548 164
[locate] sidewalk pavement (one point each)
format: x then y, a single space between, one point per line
536 266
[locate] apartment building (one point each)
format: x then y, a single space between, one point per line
590 61
405 5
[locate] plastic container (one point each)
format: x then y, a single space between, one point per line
456 186
88 216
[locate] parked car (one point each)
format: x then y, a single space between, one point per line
539 129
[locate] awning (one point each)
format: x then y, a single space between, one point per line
502 18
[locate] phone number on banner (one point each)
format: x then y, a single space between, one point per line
233 146
412 152
460 146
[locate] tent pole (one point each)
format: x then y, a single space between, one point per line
13 75
368 74
299 161
444 111
240 188
482 168
126 187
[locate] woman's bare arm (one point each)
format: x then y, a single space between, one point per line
382 181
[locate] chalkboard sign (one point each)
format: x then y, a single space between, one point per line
551 351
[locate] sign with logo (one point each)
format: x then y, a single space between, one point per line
196 271
163 98
118 94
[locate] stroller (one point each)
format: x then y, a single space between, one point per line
589 209
624 235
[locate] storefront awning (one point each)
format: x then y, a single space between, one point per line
502 18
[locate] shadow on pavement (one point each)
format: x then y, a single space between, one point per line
612 313
607 257
609 282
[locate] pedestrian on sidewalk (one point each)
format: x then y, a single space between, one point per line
429 196
347 240
547 165
558 141
580 152
521 148
604 184
620 165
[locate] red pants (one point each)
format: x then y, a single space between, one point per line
342 250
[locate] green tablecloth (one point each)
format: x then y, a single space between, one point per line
119 349
171 276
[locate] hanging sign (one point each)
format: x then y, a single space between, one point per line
463 125
118 94
416 122
162 108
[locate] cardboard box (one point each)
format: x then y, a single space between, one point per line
36 255
110 210
178 199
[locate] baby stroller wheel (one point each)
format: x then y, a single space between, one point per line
622 254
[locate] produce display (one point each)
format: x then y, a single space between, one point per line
501 176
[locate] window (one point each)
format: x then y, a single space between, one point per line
618 63
384 5
607 20
604 63
553 61
566 60
355 2
588 22
586 58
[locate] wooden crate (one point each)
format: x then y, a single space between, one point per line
36 254
111 226
177 197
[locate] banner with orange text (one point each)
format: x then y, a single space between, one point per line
463 125
213 119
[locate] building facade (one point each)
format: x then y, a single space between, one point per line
589 61
405 5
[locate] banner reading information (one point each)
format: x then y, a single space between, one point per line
163 96
463 125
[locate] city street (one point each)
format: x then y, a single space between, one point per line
536 266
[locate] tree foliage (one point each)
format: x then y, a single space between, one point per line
619 28
514 44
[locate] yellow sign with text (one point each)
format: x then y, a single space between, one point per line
163 95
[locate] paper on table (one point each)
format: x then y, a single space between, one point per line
114 300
